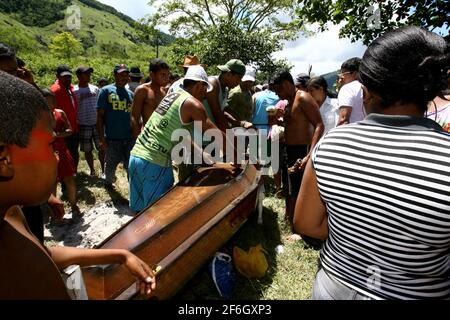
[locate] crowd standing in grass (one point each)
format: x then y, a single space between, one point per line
342 162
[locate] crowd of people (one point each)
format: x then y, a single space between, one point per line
364 174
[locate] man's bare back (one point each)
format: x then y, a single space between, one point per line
146 99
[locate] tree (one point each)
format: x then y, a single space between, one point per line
226 41
367 19
65 45
218 30
197 16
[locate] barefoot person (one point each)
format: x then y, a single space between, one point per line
148 96
28 269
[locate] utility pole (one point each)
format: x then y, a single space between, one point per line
157 44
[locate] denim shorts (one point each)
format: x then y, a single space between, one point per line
326 287
148 182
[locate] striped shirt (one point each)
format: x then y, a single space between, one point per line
386 185
87 105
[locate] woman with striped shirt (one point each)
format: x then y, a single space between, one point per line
378 190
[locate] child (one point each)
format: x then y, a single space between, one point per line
66 164
28 270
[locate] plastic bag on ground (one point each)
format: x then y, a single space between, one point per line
221 269
252 264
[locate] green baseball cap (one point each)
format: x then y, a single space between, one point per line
234 65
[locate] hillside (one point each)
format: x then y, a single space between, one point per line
107 36
31 24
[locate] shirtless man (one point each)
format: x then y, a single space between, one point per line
303 129
148 95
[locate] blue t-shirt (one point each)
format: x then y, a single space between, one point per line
263 100
117 105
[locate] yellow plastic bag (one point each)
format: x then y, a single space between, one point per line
252 264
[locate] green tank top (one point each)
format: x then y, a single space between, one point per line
154 144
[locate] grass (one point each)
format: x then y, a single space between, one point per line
290 275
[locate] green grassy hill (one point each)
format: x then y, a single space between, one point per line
107 36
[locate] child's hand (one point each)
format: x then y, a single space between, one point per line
146 278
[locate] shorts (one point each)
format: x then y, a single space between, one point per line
148 182
89 137
293 181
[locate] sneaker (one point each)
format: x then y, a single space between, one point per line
221 269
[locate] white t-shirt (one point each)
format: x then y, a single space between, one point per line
330 113
351 95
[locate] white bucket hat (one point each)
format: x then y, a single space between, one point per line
250 75
197 73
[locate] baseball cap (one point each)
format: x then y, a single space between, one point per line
234 65
119 68
63 70
84 69
197 73
135 72
250 75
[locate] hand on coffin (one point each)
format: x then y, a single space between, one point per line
146 278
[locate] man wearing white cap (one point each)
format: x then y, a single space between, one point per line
150 165
240 102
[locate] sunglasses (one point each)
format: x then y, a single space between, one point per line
341 75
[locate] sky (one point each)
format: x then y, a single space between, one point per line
324 51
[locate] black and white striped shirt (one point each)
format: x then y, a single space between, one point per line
386 185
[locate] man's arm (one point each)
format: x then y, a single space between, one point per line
193 110
136 110
344 115
311 109
234 121
101 105
213 101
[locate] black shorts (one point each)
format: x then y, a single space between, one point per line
293 181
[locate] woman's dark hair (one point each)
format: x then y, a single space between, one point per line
406 65
351 65
320 82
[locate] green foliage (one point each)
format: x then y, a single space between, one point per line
362 23
65 45
19 41
226 41
35 12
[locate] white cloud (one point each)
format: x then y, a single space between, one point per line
324 51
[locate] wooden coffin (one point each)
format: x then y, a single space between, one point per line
180 232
